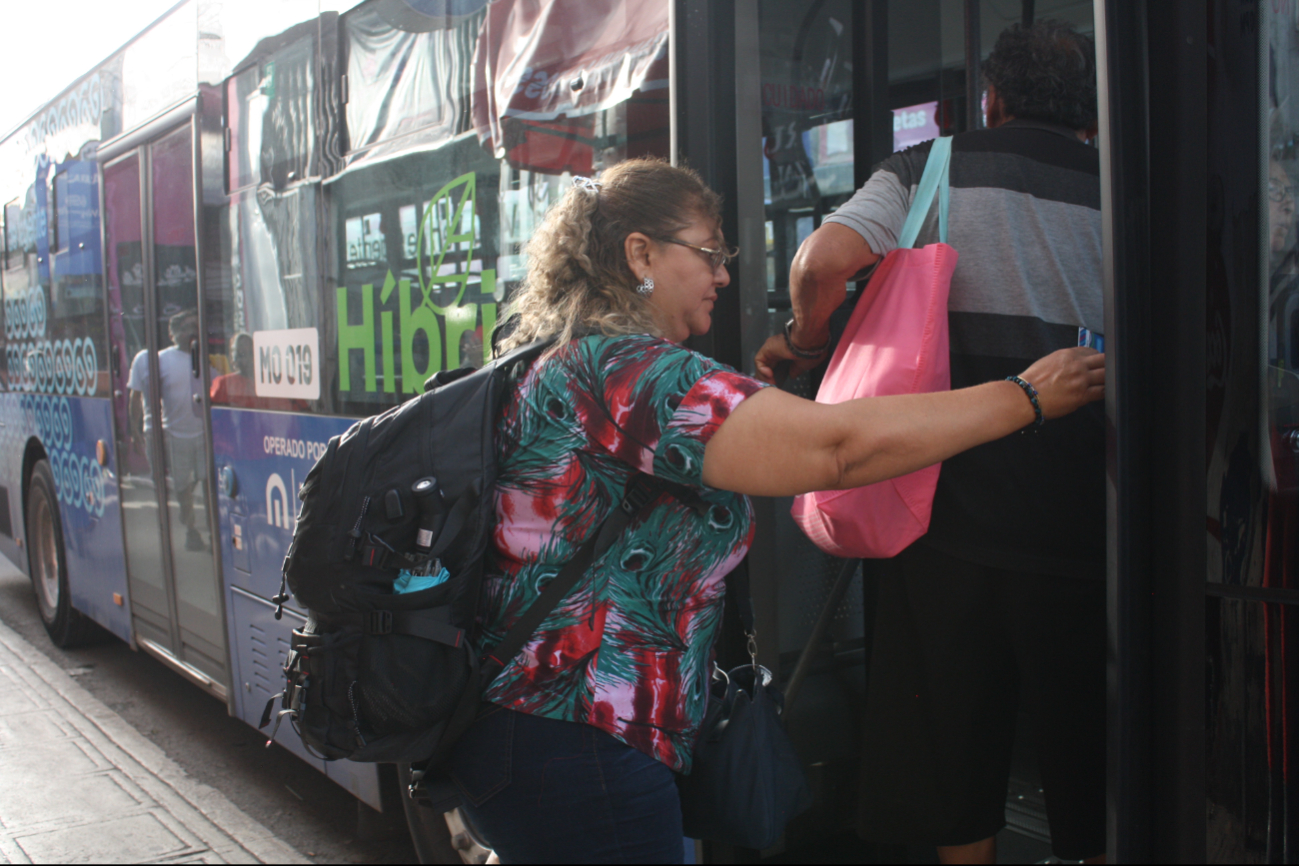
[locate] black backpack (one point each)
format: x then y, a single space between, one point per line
383 677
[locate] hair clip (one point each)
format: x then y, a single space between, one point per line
586 184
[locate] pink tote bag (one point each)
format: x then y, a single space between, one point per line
896 342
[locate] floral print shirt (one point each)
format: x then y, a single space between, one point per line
629 650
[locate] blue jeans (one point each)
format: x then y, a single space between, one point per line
547 791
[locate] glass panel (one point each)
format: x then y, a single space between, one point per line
158 68
181 389
132 403
429 224
59 224
416 287
55 325
13 249
229 31
267 244
437 195
400 81
806 125
1253 692
76 311
809 127
24 303
269 115
245 105
1279 295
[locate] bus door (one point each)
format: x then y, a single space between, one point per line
159 389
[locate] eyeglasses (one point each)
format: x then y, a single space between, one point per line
1279 192
717 258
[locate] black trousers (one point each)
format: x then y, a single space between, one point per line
958 648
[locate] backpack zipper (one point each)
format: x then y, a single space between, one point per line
356 716
355 535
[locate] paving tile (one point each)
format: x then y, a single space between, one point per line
63 758
136 839
22 729
27 802
15 696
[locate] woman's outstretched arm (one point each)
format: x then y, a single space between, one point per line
776 444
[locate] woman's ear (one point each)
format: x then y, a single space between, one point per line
637 248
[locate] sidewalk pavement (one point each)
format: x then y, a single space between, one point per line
80 785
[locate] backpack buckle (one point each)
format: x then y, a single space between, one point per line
378 622
637 496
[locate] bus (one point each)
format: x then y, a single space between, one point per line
258 221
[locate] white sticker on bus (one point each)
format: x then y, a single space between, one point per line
286 363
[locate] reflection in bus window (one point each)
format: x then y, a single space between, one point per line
1253 502
53 305
456 136
270 115
405 75
59 225
806 125
1279 296
13 250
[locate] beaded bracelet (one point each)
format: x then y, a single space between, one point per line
1032 398
796 351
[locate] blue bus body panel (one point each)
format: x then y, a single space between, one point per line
69 428
261 460
267 455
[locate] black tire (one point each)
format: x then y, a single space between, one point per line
430 832
66 626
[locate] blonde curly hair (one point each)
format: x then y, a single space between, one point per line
578 277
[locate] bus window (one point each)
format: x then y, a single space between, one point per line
269 303
75 318
264 306
245 104
1253 484
807 127
24 302
400 81
59 225
269 115
12 214
159 68
441 181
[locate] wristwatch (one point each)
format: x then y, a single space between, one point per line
802 354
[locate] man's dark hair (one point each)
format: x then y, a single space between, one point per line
184 323
1045 72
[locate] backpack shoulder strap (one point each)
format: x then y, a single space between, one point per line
641 491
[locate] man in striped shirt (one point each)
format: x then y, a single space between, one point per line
1001 604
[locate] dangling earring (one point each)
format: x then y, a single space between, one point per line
646 288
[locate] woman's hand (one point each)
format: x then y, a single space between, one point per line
774 355
1067 380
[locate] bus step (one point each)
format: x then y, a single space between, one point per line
1026 811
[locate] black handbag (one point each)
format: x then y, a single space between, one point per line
747 781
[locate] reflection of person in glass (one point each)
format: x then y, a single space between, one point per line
238 388
182 419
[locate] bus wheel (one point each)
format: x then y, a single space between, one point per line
438 838
66 626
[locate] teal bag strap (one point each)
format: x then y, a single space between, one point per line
933 180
